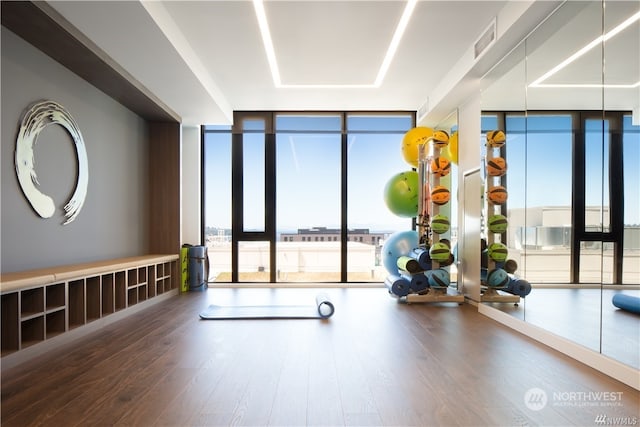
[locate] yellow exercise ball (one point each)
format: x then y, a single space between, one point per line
452 149
412 140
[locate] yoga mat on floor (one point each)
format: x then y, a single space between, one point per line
322 310
626 302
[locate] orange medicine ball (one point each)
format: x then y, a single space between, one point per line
440 166
496 138
440 138
498 195
440 195
496 166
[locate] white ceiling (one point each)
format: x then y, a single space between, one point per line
205 59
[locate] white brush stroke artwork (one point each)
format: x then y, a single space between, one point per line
35 119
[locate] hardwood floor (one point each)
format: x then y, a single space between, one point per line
375 362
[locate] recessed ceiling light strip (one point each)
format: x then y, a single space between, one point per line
589 86
626 23
395 41
386 62
266 40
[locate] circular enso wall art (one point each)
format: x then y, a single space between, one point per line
35 119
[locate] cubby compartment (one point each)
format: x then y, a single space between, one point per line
55 297
76 303
31 302
55 323
159 286
32 331
132 296
160 270
172 274
142 275
10 323
120 290
94 294
55 305
142 292
132 277
108 301
151 281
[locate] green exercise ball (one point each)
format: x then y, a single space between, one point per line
401 194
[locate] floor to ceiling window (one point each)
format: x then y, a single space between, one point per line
308 172
216 200
300 195
373 156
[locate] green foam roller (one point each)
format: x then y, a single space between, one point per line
409 264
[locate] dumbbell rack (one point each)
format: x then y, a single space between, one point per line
490 294
426 210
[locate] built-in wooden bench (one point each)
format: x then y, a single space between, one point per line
46 307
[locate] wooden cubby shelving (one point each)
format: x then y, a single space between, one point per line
41 305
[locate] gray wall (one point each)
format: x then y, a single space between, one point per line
113 220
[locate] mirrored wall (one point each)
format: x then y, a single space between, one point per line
568 100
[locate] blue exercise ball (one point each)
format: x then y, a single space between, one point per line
398 244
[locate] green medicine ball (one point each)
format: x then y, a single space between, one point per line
498 252
439 252
498 223
440 224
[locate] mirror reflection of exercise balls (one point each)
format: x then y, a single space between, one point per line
401 194
412 139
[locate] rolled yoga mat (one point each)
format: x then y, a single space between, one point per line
422 256
397 285
519 287
626 302
408 264
417 282
322 310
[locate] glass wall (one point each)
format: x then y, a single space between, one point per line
308 171
298 197
572 135
216 164
373 155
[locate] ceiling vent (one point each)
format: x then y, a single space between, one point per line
423 110
487 38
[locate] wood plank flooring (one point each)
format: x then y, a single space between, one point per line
374 363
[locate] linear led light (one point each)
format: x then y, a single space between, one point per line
266 40
603 38
384 67
590 86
